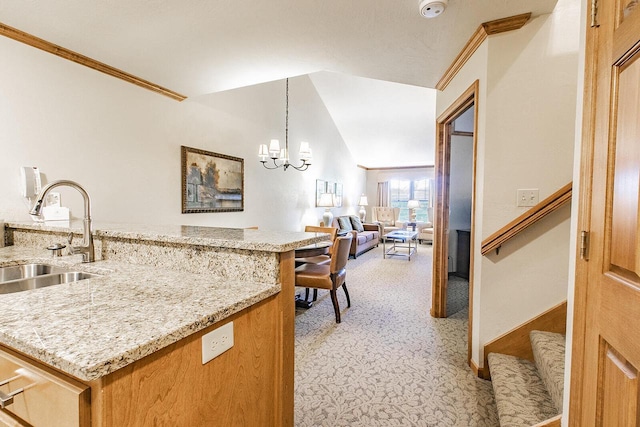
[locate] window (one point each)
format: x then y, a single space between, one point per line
401 191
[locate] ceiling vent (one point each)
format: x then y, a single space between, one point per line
432 8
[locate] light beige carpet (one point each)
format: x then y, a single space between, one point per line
388 363
457 294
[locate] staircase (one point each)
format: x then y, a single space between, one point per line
529 393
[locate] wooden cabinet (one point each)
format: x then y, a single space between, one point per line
172 387
251 384
49 398
463 253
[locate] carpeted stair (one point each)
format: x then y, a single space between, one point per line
528 393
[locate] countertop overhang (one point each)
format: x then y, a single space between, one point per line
93 327
231 238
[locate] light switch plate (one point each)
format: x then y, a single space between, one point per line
217 342
527 197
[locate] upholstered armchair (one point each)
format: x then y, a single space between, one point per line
425 229
387 218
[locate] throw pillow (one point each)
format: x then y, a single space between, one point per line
345 223
356 223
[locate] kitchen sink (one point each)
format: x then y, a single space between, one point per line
28 270
25 277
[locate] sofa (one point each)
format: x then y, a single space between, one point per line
364 236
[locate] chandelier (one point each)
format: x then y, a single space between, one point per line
280 157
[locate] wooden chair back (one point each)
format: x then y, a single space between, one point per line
332 231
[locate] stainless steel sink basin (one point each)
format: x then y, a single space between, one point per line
33 276
42 281
28 270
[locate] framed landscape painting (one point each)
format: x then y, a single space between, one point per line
211 182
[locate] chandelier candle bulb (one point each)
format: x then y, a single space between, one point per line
305 151
307 159
263 153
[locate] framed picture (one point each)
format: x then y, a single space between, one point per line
338 195
211 182
321 188
331 187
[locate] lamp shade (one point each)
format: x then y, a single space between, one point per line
326 200
274 147
413 204
363 201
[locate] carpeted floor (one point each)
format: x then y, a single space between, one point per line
388 363
457 295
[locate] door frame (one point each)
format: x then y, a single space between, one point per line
581 275
441 209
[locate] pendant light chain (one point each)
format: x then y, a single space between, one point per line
286 120
273 150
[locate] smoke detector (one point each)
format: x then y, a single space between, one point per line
432 8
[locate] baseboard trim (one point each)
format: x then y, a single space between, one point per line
477 371
517 343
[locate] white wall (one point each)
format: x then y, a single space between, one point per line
460 189
526 108
532 87
122 143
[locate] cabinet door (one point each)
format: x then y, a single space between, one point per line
48 399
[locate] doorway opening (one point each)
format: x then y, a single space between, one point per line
455 171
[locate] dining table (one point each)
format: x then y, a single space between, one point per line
314 249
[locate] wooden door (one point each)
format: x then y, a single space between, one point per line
605 390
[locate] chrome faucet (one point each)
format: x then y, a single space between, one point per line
87 250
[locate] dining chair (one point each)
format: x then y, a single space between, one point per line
320 259
328 276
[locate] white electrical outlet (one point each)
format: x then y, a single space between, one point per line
527 197
217 342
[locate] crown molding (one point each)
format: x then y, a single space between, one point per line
485 30
396 167
78 58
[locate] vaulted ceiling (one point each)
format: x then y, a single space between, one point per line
198 47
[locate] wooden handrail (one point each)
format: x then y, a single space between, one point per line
537 212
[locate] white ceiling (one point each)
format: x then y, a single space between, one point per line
384 124
198 47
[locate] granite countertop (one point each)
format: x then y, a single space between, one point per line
233 238
93 327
